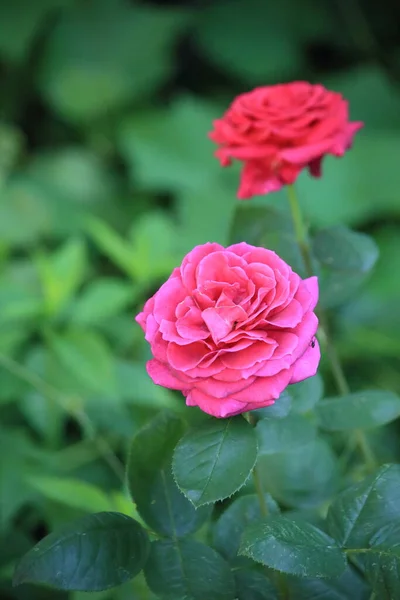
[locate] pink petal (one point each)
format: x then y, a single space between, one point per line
162 375
183 358
257 179
241 248
304 154
191 260
256 353
147 310
307 365
217 267
307 293
170 294
272 367
290 316
265 389
213 369
221 320
221 389
191 327
305 332
151 329
236 374
214 406
256 405
286 341
312 286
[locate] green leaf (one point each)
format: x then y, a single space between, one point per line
93 59
71 179
18 305
19 23
11 386
365 507
145 142
252 585
86 355
15 493
62 273
349 586
228 530
342 249
159 501
361 410
279 410
43 415
338 287
102 299
237 37
154 260
108 415
135 387
72 492
382 562
347 256
368 81
293 547
304 477
215 460
23 214
194 207
370 325
306 394
11 144
114 247
268 227
342 181
97 552
187 570
281 435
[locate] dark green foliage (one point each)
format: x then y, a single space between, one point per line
107 178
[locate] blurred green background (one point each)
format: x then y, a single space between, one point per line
107 179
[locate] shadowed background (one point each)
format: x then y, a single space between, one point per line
107 179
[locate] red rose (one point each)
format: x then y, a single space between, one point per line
279 130
231 328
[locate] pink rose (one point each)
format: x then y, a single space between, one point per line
231 328
279 130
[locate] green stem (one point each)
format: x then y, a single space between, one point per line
256 476
260 493
343 387
300 230
279 578
70 406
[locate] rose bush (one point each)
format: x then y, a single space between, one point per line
279 130
231 328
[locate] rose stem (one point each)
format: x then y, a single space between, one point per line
256 476
343 387
279 578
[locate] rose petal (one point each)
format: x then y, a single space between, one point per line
265 389
162 375
290 316
256 353
214 406
307 365
183 358
305 332
168 296
221 320
222 389
191 260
